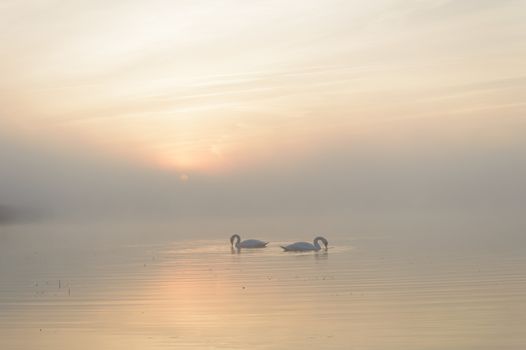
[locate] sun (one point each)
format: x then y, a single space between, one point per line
186 161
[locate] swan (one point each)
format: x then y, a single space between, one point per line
305 246
248 243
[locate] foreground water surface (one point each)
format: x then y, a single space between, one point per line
61 287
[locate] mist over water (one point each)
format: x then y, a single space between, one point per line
426 174
137 137
426 250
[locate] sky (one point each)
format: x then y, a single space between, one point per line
254 108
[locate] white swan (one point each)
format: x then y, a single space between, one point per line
248 243
305 246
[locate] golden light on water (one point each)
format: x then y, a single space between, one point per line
137 136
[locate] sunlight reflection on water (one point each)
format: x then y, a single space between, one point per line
360 293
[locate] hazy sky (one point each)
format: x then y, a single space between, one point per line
225 107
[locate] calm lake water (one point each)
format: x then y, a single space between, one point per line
73 287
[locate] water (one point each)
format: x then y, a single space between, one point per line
106 288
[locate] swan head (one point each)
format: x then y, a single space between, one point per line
324 241
233 238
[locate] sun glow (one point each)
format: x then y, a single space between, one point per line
187 161
209 87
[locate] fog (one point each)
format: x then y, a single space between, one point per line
136 137
335 110
340 179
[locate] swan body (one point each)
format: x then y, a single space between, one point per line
305 246
236 242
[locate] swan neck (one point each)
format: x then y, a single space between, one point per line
317 245
235 240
